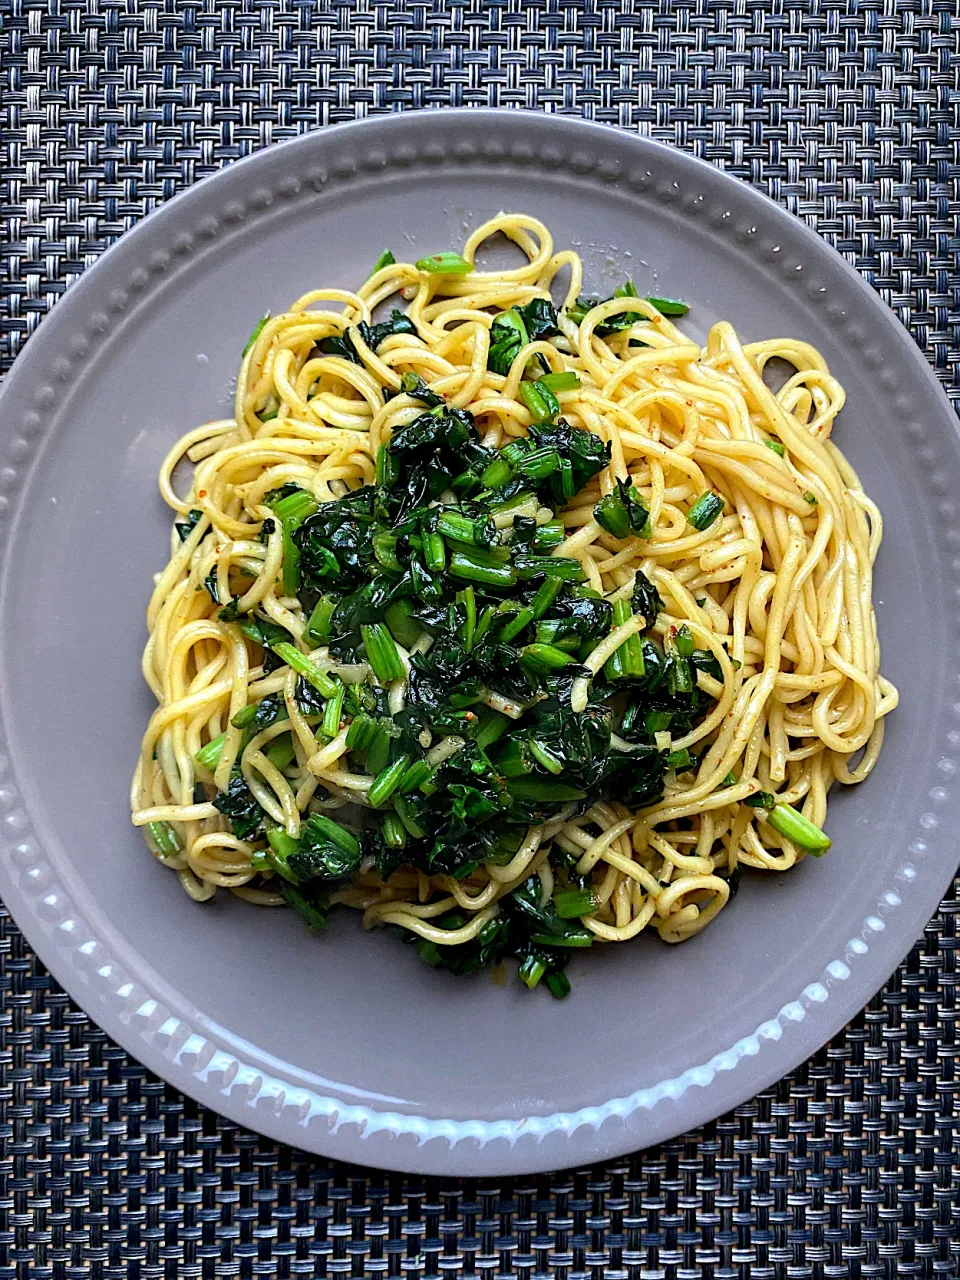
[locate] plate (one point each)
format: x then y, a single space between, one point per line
346 1045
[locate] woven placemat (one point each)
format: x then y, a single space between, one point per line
846 113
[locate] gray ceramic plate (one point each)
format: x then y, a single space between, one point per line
347 1045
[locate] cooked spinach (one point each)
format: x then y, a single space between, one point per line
624 319
439 576
372 334
239 804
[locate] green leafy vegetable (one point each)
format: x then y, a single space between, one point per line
445 264
540 400
508 334
386 259
705 510
623 319
163 839
623 512
257 330
343 345
184 528
792 824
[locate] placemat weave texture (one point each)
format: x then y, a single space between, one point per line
849 114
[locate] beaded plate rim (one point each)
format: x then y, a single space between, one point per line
194 1057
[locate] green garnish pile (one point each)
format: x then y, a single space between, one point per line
448 558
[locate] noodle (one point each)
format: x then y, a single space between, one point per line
777 590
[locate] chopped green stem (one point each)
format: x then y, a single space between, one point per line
318 626
531 970
245 716
282 846
680 678
558 984
434 552
545 657
407 813
521 619
378 753
776 446
281 752
567 483
540 463
683 641
388 468
414 777
209 756
332 712
362 733
281 843
394 832
445 264
549 535
497 474
543 789
336 834
475 565
611 514
493 725
164 839
545 595
468 599
553 566
705 510
290 566
292 656
381 652
542 753
512 319
478 533
571 904
565 381
295 508
483 623
627 659
540 400
794 826
387 782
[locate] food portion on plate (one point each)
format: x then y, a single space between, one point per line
511 617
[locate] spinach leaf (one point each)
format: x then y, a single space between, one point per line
372 334
539 318
239 804
184 528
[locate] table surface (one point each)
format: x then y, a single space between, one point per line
846 113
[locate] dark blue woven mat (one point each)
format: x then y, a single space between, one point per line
847 113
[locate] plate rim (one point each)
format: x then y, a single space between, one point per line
497 1146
